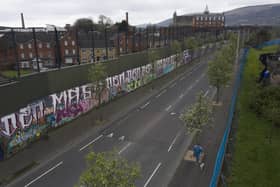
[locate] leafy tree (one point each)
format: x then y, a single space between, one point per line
177 50
84 24
104 20
122 26
258 37
219 72
153 55
108 169
190 43
198 115
97 76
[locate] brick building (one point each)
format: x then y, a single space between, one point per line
25 51
205 20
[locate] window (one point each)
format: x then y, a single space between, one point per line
73 42
22 55
30 55
40 45
197 18
66 51
40 55
65 43
21 46
74 51
29 46
48 45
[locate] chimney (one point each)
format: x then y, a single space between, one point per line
22 20
126 14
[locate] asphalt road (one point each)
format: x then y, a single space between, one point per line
151 134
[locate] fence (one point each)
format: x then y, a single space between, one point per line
31 50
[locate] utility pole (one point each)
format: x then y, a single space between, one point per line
15 52
106 43
36 49
92 45
77 46
58 54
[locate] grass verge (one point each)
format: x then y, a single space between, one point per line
255 159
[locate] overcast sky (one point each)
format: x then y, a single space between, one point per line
60 12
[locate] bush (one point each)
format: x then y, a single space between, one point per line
266 103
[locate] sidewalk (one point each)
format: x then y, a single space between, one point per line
73 133
189 174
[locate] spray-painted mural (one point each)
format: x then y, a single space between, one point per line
31 122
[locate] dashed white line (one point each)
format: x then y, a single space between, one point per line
154 172
181 96
43 174
206 93
173 85
124 148
168 108
173 142
160 93
182 78
91 142
145 105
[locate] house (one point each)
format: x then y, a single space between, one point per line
19 47
94 49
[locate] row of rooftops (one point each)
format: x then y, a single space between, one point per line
84 40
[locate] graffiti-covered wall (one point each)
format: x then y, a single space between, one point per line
31 122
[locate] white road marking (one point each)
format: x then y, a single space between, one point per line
91 142
213 94
173 113
110 135
168 108
173 85
145 105
181 96
124 148
182 78
121 138
43 174
206 93
160 93
171 145
154 172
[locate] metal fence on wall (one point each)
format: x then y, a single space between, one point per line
34 50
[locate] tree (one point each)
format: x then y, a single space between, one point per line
153 55
122 26
177 50
190 43
108 169
198 115
104 20
97 76
219 72
84 24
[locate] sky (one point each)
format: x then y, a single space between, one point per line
61 12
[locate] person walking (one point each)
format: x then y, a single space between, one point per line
197 153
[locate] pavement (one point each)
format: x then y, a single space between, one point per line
143 127
189 174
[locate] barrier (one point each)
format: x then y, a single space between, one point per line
222 148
